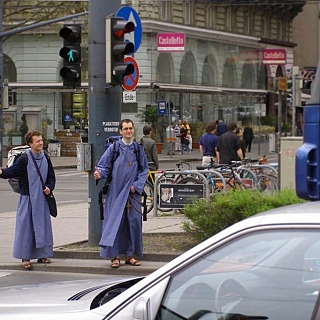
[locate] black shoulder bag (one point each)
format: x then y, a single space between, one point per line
50 197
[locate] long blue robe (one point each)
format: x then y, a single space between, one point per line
122 230
33 234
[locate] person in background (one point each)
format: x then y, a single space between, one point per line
150 148
177 134
221 128
122 224
189 131
208 144
33 234
184 141
243 145
248 136
229 146
170 134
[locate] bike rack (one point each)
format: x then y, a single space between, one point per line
186 173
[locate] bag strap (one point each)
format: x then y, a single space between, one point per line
36 165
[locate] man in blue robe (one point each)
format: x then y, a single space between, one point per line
122 224
33 234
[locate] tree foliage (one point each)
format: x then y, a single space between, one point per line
20 13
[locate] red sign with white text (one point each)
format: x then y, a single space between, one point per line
171 42
274 56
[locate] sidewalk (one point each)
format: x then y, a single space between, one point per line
71 226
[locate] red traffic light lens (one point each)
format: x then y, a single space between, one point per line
122 27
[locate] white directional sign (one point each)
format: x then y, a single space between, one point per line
131 15
129 96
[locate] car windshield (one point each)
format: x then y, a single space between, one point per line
262 275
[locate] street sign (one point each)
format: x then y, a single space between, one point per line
162 107
129 96
129 14
130 82
282 84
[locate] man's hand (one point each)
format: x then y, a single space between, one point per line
96 174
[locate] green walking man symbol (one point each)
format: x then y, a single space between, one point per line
70 54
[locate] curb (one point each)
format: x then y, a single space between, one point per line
98 267
94 255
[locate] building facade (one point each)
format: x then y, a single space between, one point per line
219 74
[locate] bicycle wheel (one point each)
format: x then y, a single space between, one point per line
148 189
267 184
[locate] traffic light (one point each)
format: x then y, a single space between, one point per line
116 49
71 54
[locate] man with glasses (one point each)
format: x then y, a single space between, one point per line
122 224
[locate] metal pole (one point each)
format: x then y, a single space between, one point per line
279 133
293 104
104 107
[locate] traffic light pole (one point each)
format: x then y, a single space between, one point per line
104 105
1 88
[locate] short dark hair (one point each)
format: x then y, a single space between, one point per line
211 126
146 129
125 121
232 126
29 136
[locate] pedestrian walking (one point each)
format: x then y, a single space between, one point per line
229 146
170 139
208 144
248 136
33 237
177 134
221 128
189 131
150 148
185 142
122 224
239 133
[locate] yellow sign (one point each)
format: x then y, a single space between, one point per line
282 84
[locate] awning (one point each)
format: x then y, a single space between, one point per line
305 97
184 88
206 89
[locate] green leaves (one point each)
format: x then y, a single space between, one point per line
225 209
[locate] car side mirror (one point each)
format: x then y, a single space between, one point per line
141 310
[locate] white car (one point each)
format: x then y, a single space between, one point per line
264 267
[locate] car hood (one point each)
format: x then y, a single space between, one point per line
54 298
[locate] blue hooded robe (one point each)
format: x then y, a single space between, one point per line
33 233
122 227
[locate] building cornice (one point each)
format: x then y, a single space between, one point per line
155 26
278 42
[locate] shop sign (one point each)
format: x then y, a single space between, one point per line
171 42
274 56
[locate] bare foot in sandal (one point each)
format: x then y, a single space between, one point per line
27 265
132 261
44 260
115 262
